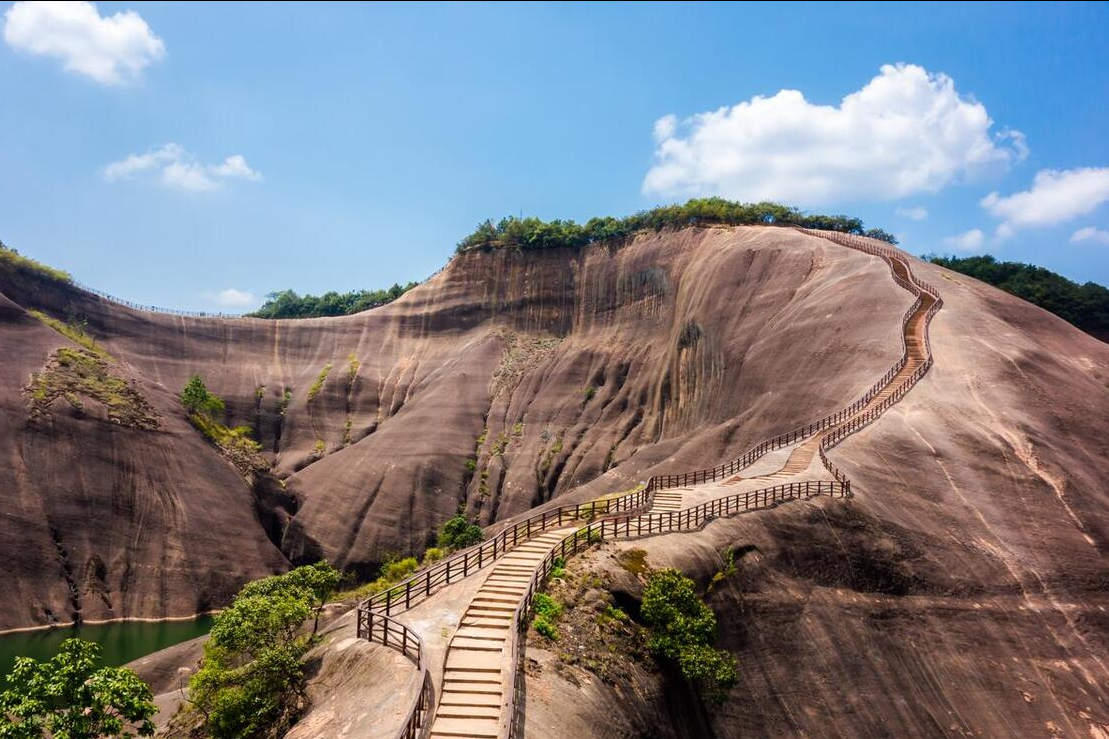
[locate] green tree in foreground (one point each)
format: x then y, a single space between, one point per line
70 697
683 630
251 677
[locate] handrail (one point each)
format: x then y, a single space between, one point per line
632 527
913 285
379 628
842 423
414 589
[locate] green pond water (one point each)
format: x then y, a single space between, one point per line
120 642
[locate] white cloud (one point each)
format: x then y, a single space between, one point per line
232 298
917 214
235 166
967 241
1090 234
1056 196
907 131
111 50
179 170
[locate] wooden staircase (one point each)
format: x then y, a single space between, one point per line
473 698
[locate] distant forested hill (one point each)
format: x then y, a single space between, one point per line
1086 306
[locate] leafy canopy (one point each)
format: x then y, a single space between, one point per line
70 697
251 677
287 304
534 233
459 533
198 399
683 630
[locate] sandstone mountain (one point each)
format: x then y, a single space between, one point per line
548 369
969 571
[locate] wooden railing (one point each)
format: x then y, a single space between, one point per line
409 592
606 524
378 628
633 527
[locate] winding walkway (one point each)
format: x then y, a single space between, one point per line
480 675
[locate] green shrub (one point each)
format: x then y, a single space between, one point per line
545 628
459 533
433 554
545 605
534 233
74 329
70 697
683 630
318 384
204 409
250 679
558 568
198 400
399 569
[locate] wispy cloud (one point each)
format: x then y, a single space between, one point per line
916 214
1089 233
1056 196
231 298
111 50
971 240
906 131
176 168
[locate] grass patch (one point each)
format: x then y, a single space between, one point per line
318 384
588 395
204 410
76 331
73 374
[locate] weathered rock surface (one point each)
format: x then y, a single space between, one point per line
600 365
962 592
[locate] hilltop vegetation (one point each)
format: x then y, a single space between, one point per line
534 233
1086 306
12 261
287 304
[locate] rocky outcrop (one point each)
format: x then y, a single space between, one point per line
549 370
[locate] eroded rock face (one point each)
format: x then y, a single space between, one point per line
575 370
962 592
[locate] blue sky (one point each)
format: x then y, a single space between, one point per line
259 147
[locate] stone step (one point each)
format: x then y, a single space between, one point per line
491 606
469 687
478 645
466 660
467 711
461 727
484 595
489 634
456 698
499 623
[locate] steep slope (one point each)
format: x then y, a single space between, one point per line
961 592
567 366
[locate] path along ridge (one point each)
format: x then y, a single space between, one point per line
481 679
